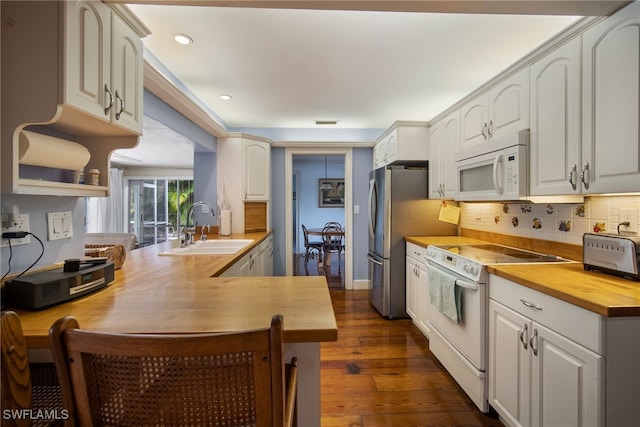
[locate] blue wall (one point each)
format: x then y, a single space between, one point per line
56 250
362 159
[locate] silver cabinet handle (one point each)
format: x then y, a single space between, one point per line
534 337
484 131
584 176
530 304
108 107
122 107
490 129
523 340
572 173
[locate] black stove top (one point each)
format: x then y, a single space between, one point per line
498 254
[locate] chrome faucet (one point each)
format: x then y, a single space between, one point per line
188 238
203 236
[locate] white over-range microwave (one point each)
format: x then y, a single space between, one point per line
496 170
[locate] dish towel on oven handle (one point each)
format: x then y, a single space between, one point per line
445 295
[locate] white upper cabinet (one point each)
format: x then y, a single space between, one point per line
503 109
256 165
555 120
103 64
444 143
611 104
243 169
75 68
403 141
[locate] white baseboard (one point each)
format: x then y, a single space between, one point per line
360 285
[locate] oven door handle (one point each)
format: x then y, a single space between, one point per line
467 285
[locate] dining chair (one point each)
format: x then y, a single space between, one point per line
26 387
237 378
311 246
332 238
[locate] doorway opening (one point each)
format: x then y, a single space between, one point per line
307 203
158 208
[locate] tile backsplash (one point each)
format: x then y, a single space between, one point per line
554 221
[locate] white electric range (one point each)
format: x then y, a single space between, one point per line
460 340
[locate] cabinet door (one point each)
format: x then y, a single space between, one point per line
450 146
611 103
509 105
257 172
422 291
265 258
244 266
127 76
474 120
555 121
269 259
87 47
411 283
509 364
392 148
436 136
567 381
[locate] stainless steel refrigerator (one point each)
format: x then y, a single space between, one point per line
398 207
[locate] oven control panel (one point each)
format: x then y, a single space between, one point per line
467 268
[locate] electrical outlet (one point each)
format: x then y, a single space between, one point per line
19 222
59 225
631 216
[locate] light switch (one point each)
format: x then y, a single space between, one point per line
60 225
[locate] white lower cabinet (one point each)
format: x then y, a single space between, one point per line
417 286
539 377
248 264
552 363
257 263
411 280
265 257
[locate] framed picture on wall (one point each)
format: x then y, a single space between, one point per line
331 192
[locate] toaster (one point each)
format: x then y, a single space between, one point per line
616 254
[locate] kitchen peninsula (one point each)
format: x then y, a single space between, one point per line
180 294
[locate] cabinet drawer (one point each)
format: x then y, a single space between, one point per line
417 252
580 325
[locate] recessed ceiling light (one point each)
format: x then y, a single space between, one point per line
225 97
183 39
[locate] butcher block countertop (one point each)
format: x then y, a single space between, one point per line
179 294
601 293
604 294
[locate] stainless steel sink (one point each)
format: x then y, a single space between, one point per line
211 247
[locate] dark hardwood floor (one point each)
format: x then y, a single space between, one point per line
381 373
334 273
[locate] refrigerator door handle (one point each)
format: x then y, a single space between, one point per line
371 259
372 208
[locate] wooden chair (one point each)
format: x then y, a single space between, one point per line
311 246
25 386
185 379
16 379
332 237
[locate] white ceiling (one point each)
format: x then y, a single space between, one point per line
160 146
366 69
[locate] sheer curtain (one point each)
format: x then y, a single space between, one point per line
106 214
